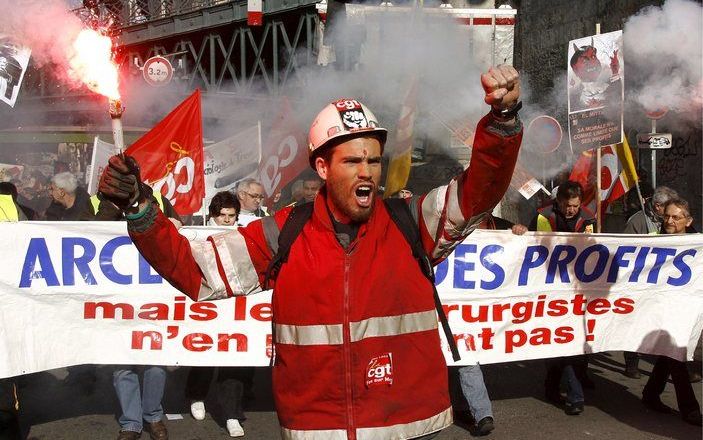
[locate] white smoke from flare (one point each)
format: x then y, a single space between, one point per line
663 50
59 39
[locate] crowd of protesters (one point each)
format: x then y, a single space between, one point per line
663 212
151 220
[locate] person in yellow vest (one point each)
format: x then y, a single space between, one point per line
564 215
9 403
10 211
106 211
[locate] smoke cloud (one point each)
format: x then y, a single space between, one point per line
664 58
48 27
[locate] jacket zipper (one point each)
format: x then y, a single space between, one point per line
346 348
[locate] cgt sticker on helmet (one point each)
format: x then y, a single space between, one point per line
354 119
352 114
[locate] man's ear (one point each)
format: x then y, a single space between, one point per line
322 168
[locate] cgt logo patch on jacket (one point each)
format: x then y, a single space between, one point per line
380 371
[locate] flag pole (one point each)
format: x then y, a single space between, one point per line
637 176
598 175
92 168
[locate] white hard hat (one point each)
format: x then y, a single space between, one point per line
343 118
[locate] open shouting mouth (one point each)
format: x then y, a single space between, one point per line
364 194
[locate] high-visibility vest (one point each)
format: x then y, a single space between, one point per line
547 221
95 201
8 209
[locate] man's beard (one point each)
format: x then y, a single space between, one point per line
343 202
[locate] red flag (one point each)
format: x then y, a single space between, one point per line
615 179
171 156
284 154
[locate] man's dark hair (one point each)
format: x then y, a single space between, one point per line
679 203
9 188
223 199
569 190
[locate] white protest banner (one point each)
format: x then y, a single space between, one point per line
231 160
545 295
79 292
13 65
101 155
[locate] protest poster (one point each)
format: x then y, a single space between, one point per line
596 91
101 155
14 59
231 160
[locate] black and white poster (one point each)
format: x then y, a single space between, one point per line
13 64
595 75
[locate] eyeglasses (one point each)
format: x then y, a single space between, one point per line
255 196
676 218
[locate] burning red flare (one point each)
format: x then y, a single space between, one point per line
91 63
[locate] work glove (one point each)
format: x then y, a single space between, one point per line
121 183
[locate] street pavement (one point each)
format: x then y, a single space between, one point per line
56 406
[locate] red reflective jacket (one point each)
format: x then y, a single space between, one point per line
358 354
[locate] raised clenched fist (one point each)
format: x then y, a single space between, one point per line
502 87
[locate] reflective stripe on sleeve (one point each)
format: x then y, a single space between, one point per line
453 211
241 277
238 267
393 325
313 434
407 430
309 334
443 204
432 206
212 287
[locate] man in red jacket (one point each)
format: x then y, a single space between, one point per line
357 352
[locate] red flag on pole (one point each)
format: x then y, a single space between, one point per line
171 156
284 153
617 174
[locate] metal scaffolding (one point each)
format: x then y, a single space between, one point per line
232 59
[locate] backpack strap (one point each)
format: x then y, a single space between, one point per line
403 217
280 245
